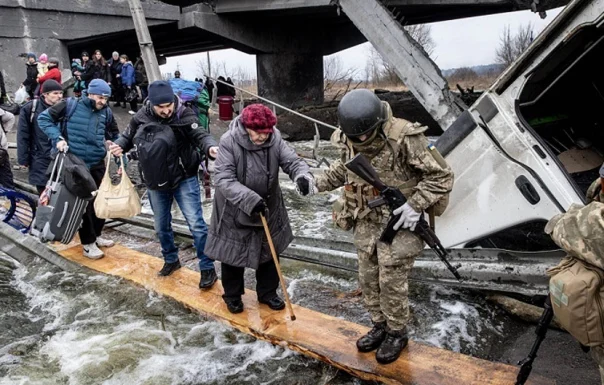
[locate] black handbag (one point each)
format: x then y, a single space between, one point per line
131 95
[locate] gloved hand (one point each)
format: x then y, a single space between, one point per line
408 219
305 184
260 207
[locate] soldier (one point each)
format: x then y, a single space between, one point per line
580 232
401 155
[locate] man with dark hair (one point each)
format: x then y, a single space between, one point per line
210 87
33 146
182 144
83 125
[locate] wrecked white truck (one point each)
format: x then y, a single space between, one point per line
525 151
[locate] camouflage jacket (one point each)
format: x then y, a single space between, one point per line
403 159
580 232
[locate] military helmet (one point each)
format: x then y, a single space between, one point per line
360 112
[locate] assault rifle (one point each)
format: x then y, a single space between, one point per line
526 365
395 199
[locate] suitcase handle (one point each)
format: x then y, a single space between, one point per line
54 168
65 209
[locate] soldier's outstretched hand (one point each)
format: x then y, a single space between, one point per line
408 219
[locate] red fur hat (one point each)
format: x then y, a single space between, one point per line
259 118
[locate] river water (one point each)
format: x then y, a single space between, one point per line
65 328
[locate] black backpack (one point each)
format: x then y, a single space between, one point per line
157 152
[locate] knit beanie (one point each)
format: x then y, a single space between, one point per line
99 87
51 85
259 118
43 58
115 54
160 92
31 54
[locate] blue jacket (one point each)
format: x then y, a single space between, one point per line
127 74
33 146
85 130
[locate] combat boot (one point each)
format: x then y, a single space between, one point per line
373 338
390 350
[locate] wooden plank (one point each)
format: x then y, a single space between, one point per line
326 338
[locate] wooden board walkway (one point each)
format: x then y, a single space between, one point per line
326 338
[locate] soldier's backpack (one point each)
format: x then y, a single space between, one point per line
577 283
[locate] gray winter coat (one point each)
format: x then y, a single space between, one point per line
236 237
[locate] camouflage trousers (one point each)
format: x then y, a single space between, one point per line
597 353
383 272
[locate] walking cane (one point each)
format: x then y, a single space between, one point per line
274 254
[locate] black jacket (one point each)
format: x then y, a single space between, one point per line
31 76
139 66
115 66
95 71
192 138
33 146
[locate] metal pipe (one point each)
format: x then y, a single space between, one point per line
144 41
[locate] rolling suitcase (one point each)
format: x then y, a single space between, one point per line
60 212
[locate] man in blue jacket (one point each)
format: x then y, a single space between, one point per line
84 124
33 146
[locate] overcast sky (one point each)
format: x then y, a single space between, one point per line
459 43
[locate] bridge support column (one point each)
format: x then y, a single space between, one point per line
292 79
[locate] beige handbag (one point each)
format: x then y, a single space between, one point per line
116 201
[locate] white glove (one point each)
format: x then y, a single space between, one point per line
305 185
408 219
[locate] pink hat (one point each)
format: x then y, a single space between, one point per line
43 58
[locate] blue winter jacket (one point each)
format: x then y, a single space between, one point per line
85 131
127 74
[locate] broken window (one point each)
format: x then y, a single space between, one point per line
562 103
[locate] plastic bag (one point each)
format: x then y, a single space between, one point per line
21 95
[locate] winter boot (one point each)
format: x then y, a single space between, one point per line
275 303
373 338
208 278
235 305
169 268
390 350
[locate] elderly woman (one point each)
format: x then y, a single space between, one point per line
247 185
